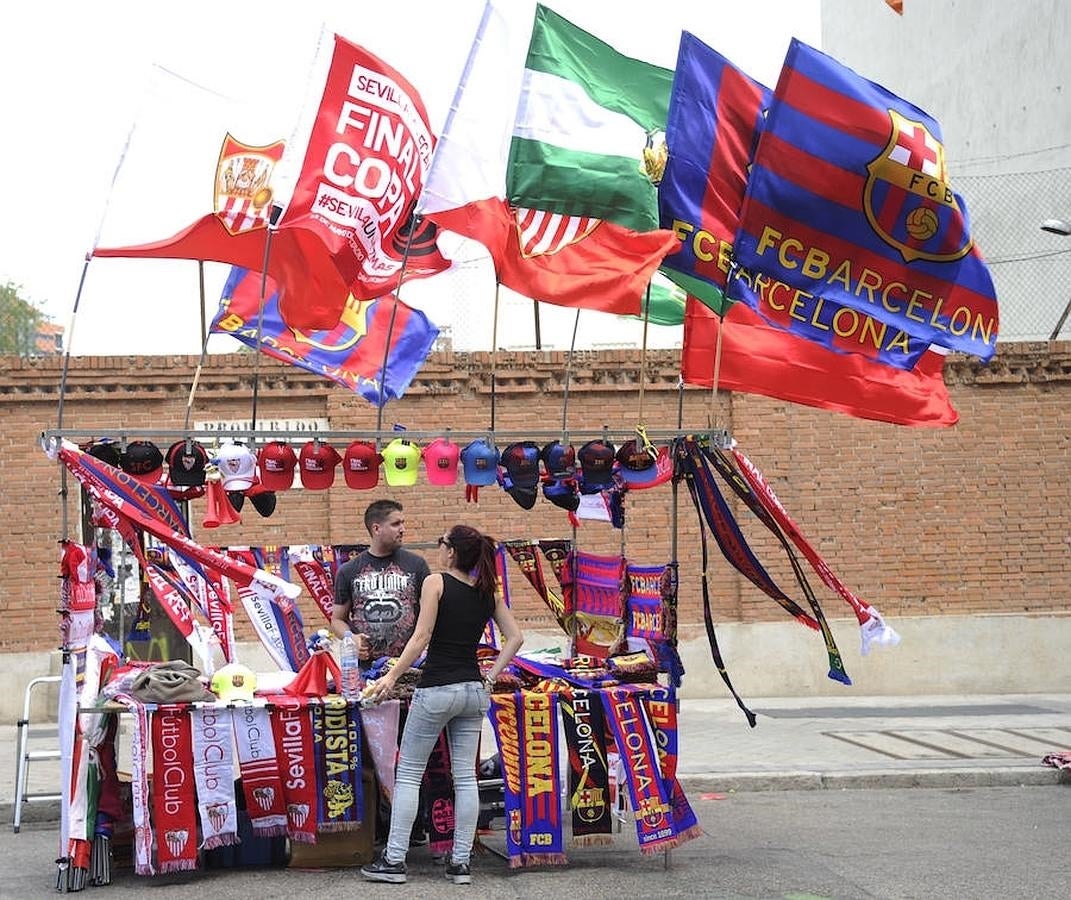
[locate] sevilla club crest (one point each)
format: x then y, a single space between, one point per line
243 184
907 198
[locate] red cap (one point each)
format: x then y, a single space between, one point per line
317 463
277 462
440 460
360 465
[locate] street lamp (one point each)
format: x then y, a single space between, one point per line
1062 228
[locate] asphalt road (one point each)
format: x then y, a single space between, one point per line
1006 842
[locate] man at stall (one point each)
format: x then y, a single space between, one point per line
377 594
377 600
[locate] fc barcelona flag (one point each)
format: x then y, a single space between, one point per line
351 354
715 115
849 204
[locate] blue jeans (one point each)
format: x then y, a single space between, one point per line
460 709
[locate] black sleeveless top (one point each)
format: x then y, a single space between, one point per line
463 614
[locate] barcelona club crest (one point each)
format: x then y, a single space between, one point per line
352 326
243 184
907 198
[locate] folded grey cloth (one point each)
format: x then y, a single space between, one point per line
170 682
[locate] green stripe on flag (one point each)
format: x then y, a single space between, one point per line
703 291
666 304
584 117
605 187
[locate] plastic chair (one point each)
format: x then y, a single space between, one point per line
26 756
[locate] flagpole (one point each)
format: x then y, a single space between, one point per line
494 351
568 373
416 219
204 348
643 351
276 211
712 418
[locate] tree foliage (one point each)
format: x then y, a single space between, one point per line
20 320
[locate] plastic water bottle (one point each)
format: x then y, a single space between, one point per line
350 667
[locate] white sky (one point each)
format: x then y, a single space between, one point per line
73 73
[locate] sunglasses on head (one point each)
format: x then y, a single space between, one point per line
444 542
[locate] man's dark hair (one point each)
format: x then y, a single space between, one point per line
379 511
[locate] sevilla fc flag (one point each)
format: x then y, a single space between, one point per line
365 162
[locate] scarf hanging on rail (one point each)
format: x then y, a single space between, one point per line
660 704
380 724
504 721
277 619
872 627
174 800
292 727
525 554
336 736
139 784
258 765
541 819
308 562
213 774
589 777
655 827
649 612
593 597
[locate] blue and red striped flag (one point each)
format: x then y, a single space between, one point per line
849 204
350 354
715 115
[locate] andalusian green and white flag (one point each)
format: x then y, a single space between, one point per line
585 116
664 303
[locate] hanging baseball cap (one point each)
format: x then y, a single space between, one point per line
143 460
596 460
263 500
360 465
441 458
277 462
521 462
237 467
107 451
562 494
641 470
186 461
401 463
479 461
525 495
559 460
316 464
234 682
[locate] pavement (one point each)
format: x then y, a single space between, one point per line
804 743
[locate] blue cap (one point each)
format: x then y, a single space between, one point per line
480 462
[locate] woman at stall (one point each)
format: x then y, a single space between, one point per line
455 606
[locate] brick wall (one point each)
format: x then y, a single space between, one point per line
917 521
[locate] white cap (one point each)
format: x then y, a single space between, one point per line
237 467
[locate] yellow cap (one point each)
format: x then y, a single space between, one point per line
234 682
401 460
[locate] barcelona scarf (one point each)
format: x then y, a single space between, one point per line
531 566
742 489
589 776
656 828
660 705
648 617
439 790
336 740
593 596
504 723
541 813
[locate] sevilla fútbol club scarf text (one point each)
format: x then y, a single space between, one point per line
174 802
292 726
213 773
259 768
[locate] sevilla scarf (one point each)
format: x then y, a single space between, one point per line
592 586
589 778
439 789
259 768
655 828
213 775
742 490
872 625
307 561
336 741
504 722
292 726
661 706
174 802
541 811
139 785
275 617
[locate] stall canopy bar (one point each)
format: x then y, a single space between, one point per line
719 437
